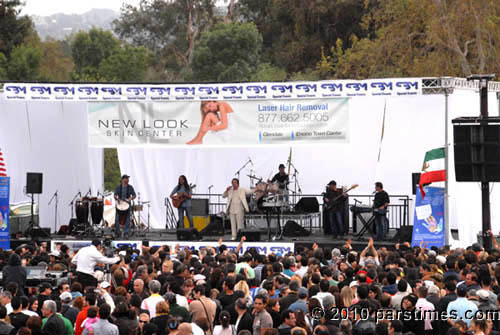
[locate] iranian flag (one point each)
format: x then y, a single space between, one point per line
433 169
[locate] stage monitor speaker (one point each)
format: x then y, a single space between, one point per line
215 227
415 181
189 234
36 232
404 234
477 152
199 207
307 205
252 235
293 229
34 183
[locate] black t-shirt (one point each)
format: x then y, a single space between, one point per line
226 300
337 204
281 179
18 320
381 198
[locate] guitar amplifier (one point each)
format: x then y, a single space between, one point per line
199 207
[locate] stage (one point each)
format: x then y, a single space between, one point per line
158 237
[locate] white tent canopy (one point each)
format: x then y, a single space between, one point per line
51 137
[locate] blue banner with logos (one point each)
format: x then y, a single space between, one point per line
222 91
429 223
4 213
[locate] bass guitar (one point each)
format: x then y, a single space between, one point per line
330 204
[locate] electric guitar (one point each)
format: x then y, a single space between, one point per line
178 198
331 203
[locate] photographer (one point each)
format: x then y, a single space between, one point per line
86 260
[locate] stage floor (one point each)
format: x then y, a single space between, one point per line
170 237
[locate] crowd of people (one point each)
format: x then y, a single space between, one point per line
222 291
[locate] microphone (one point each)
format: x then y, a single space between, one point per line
374 192
210 187
89 192
80 194
250 160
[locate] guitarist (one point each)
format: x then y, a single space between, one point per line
183 193
334 208
124 192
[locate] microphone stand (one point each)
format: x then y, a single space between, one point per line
244 166
56 197
73 202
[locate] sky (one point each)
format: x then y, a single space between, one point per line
48 7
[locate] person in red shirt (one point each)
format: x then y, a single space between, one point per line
90 300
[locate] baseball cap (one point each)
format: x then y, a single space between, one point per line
354 283
198 277
332 182
66 296
125 176
441 259
483 294
303 292
282 166
105 284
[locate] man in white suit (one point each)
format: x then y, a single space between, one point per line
236 205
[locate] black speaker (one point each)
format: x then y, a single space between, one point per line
404 234
39 232
199 207
415 181
252 235
293 229
187 234
215 227
34 183
307 205
477 151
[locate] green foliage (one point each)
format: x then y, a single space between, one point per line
99 56
126 64
55 65
170 29
3 67
24 64
13 27
111 169
267 72
229 52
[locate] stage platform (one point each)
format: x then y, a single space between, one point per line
159 237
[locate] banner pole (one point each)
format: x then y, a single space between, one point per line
446 168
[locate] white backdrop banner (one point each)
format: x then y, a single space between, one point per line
229 91
218 122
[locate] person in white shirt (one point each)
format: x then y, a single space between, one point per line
85 261
424 306
149 304
236 205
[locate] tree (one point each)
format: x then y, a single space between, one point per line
169 28
54 64
24 64
99 56
424 38
229 52
295 31
13 27
111 169
126 64
267 72
89 49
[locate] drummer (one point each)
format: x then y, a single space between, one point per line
281 178
123 192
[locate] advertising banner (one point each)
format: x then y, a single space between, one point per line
278 248
428 223
226 91
216 123
4 213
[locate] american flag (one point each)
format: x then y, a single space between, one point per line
3 168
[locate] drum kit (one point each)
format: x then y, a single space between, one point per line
101 219
267 195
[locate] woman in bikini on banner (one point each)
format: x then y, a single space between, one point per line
215 125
